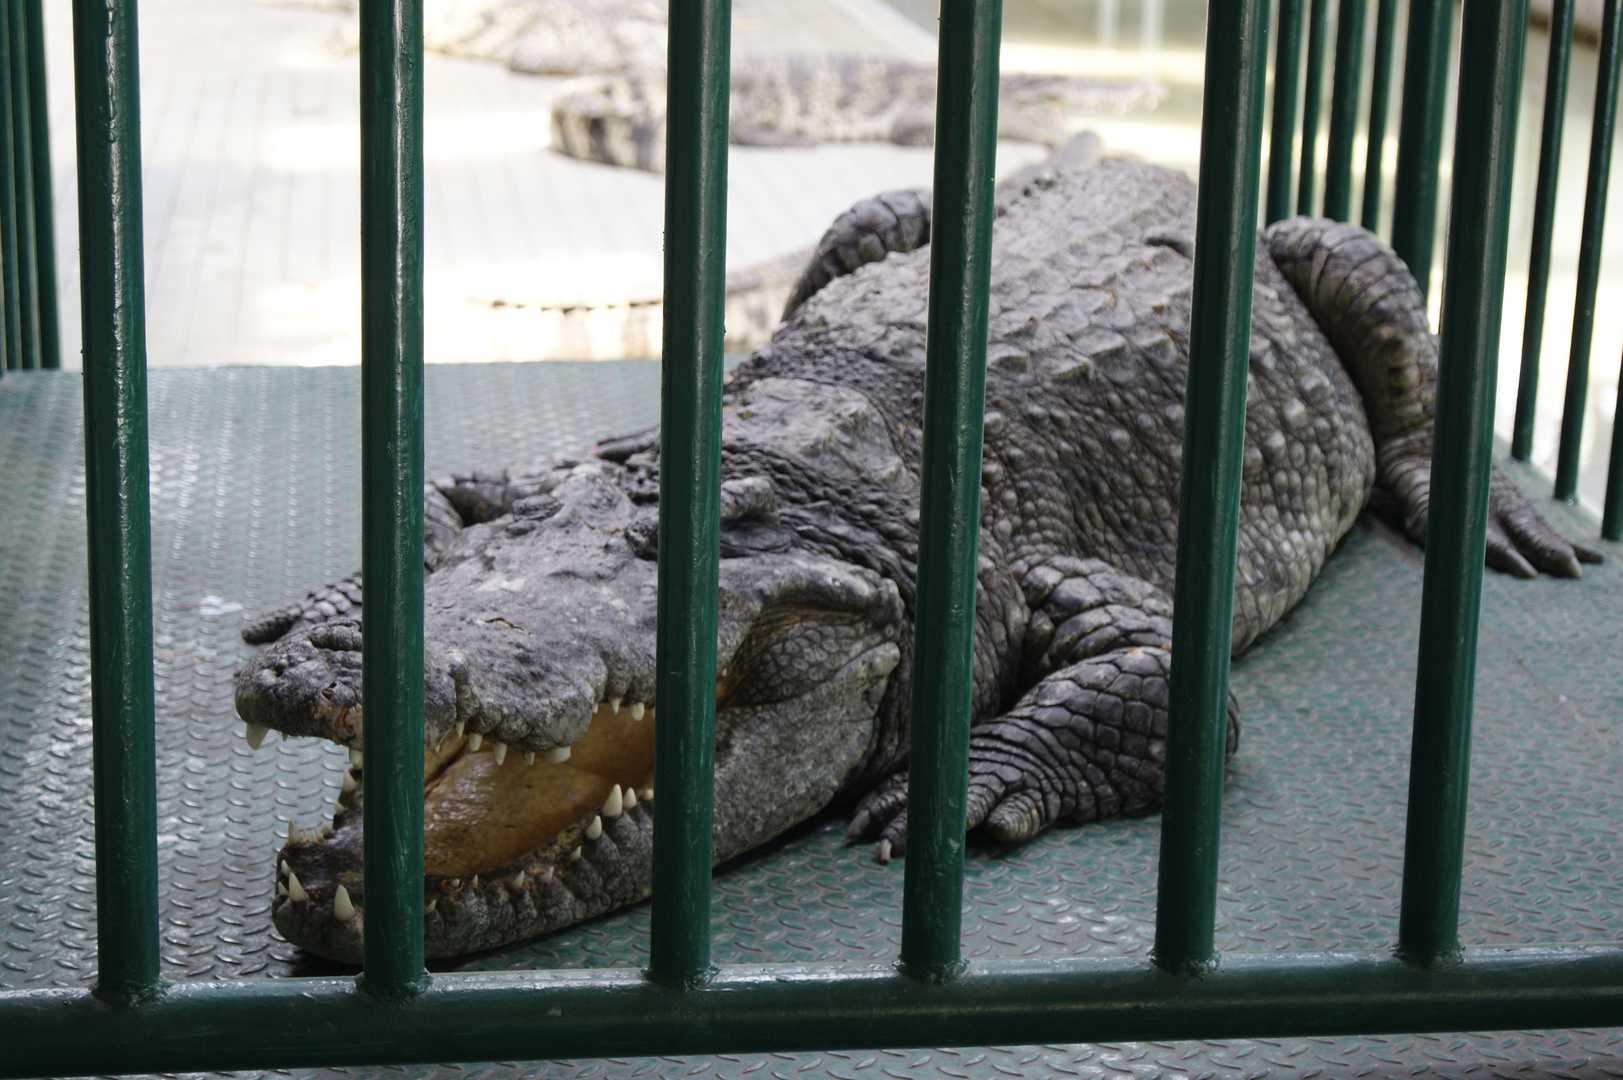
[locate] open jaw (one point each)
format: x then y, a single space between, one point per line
514 842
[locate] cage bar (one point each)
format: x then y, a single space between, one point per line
1344 109
1312 98
690 487
1282 132
1611 525
1209 497
391 47
12 345
1589 254
1538 267
519 1016
1420 136
22 160
1380 92
1492 40
39 117
950 485
117 512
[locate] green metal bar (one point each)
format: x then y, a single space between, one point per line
1420 136
50 334
518 1016
1282 135
391 47
22 161
1380 92
1209 497
950 487
1492 39
1611 525
1344 110
12 330
118 517
1608 64
1312 95
1538 270
690 488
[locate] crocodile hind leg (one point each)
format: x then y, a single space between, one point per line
1088 741
1369 307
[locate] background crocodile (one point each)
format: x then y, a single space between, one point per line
540 605
801 100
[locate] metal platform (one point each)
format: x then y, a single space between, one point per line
255 499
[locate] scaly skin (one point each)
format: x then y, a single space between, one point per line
541 600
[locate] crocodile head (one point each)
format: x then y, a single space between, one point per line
540 711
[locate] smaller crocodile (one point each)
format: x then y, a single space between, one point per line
801 100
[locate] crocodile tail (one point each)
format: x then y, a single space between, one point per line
1367 303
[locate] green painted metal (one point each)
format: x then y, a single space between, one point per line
12 344
22 160
1420 136
1538 268
1282 134
1492 40
391 47
1344 110
950 486
1611 525
1312 98
1209 497
50 334
1608 65
117 511
515 1016
690 488
1380 92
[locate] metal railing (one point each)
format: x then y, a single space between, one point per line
133 1021
28 320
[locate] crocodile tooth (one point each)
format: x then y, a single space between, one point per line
282 866
546 876
294 835
557 755
326 829
475 741
461 726
255 734
529 757
295 891
637 711
614 704
595 829
518 882
355 757
475 882
281 890
574 856
428 908
647 794
349 782
614 805
631 798
337 807
500 750
342 909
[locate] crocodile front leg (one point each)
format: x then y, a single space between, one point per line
1088 741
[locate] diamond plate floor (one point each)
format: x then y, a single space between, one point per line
255 489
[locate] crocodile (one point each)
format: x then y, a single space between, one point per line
619 119
540 601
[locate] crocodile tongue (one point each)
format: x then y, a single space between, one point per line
479 814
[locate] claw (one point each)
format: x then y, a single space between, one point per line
883 855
